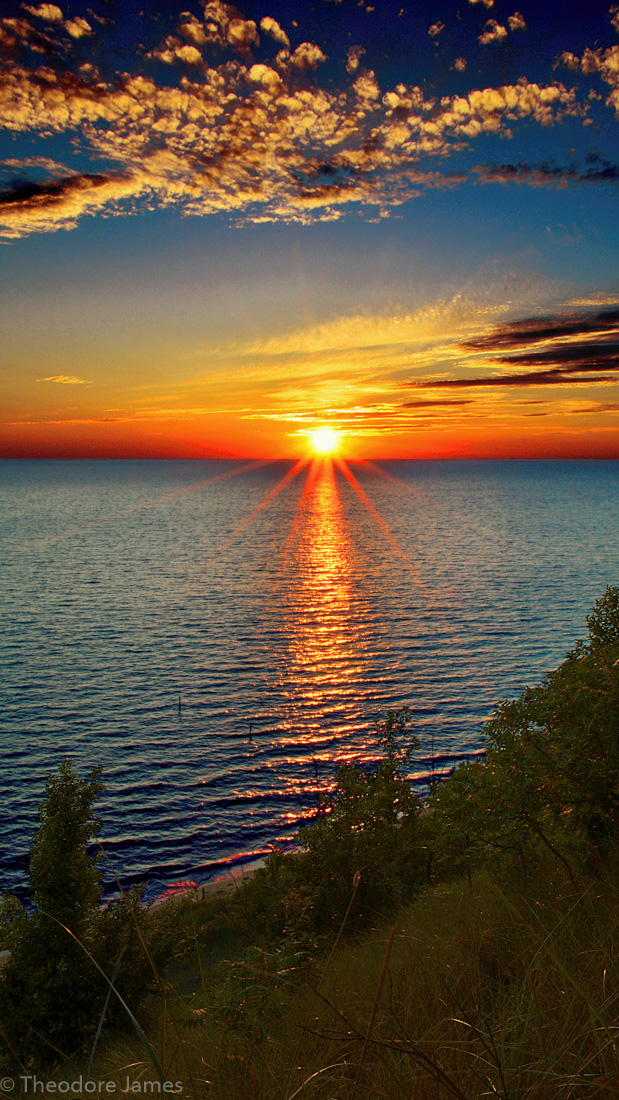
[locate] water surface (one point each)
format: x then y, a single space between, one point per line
286 630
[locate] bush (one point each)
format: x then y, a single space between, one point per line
550 778
51 995
368 825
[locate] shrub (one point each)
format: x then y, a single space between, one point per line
369 823
550 778
51 994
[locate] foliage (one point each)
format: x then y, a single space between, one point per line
550 778
254 988
368 823
603 623
491 991
51 995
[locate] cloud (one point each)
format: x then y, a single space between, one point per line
258 139
582 357
389 371
516 22
460 64
307 56
29 207
78 27
572 349
353 56
222 27
487 3
599 407
546 174
271 27
50 12
539 330
436 29
366 86
434 403
224 24
19 33
65 380
192 29
604 62
555 377
22 163
492 32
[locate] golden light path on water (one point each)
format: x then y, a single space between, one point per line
333 663
337 663
322 629
330 627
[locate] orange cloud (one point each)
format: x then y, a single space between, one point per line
492 32
50 12
271 27
260 140
604 62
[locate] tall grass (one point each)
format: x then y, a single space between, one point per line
485 990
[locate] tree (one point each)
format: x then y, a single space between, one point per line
550 777
368 823
603 623
51 995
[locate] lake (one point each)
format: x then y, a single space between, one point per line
286 610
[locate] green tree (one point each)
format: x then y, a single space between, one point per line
368 823
550 777
51 995
603 623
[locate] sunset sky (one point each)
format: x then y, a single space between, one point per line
222 227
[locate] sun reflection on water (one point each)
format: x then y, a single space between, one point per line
326 626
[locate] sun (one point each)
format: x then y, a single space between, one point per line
324 441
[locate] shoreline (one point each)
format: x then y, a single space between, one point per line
229 881
201 891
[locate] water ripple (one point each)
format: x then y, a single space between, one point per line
122 592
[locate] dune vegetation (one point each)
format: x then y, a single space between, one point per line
464 947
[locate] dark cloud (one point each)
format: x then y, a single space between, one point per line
548 174
557 377
574 357
572 349
600 407
62 201
28 192
535 330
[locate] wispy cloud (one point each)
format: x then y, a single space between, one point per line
548 174
65 380
570 349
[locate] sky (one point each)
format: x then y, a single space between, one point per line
222 227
